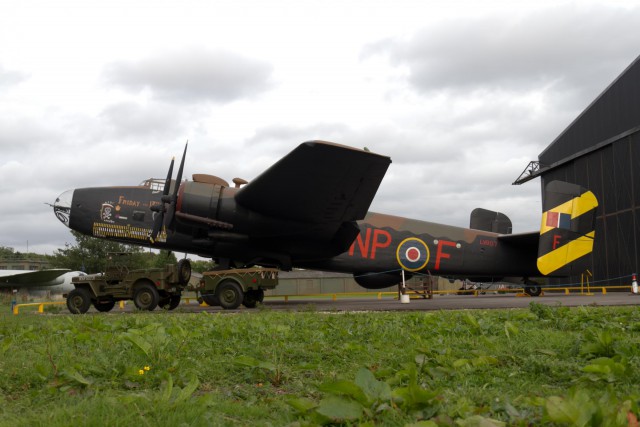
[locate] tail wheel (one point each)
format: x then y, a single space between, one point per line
184 271
533 291
531 288
146 297
229 294
79 301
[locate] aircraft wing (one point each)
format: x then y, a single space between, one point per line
318 182
26 279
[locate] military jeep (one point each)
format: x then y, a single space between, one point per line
230 288
148 288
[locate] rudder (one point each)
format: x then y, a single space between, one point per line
567 230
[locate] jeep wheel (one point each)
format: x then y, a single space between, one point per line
252 297
79 301
230 295
104 306
174 302
146 297
169 303
184 271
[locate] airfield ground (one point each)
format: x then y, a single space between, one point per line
454 302
344 303
444 302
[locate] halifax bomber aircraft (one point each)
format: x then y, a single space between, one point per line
310 210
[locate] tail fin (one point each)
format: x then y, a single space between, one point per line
486 220
567 230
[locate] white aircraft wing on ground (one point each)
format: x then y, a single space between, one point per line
16 279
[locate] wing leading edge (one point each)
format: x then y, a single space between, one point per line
318 182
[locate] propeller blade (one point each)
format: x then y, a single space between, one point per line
160 209
157 225
167 182
171 200
174 198
180 169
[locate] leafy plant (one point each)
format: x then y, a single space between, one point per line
579 409
606 369
599 343
273 369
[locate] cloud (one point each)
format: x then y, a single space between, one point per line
193 75
554 47
490 94
460 105
132 120
10 77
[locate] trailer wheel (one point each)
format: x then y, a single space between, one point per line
210 300
146 296
79 301
170 302
229 294
252 297
184 271
104 306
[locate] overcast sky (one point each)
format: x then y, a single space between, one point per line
461 95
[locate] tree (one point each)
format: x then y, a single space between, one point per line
89 254
165 257
202 266
6 252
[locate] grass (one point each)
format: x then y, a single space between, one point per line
542 365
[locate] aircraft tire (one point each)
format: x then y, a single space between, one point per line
533 291
104 306
146 297
252 297
230 295
79 301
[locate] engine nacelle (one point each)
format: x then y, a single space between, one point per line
378 280
200 198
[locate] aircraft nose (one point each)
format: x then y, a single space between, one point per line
62 206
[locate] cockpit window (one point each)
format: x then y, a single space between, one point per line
154 184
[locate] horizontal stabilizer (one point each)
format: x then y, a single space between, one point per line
567 230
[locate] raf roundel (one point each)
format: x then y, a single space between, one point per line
412 254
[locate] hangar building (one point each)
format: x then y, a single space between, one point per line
600 150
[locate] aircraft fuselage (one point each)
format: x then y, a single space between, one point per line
212 224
